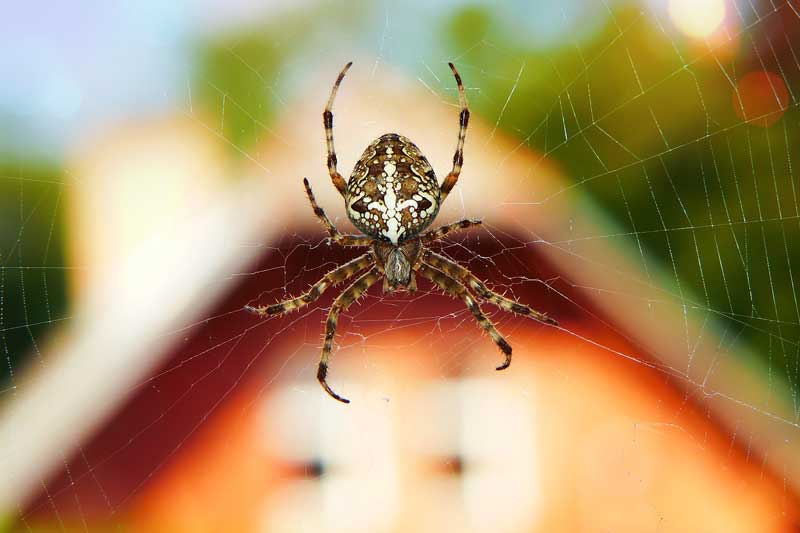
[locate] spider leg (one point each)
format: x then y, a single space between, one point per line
337 275
463 275
438 233
342 302
327 120
338 238
463 119
454 288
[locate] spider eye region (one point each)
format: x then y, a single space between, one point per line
393 193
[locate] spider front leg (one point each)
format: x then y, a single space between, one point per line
463 275
438 233
327 121
342 302
463 119
458 290
333 277
338 238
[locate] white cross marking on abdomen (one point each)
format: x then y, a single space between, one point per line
389 208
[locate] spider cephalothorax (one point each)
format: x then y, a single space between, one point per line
397 263
393 196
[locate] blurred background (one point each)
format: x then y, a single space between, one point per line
634 162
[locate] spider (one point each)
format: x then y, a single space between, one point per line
392 196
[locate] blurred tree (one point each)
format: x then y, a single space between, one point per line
643 122
32 264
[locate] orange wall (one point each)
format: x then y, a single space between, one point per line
571 438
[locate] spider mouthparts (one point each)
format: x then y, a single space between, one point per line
389 289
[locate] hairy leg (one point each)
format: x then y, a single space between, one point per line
327 121
458 290
342 240
463 119
438 233
337 275
343 301
463 275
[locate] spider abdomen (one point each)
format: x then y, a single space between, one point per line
392 194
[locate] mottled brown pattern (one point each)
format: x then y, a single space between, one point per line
392 180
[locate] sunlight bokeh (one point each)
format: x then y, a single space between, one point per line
760 98
697 18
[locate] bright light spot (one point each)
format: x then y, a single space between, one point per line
697 18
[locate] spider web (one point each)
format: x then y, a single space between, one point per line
653 133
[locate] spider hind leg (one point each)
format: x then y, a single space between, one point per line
453 269
343 301
335 276
456 289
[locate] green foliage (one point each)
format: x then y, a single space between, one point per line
234 81
647 128
32 273
239 77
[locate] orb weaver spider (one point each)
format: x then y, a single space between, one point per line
392 196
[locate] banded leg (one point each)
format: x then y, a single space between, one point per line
463 275
343 301
335 276
458 290
343 240
438 233
463 119
327 121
